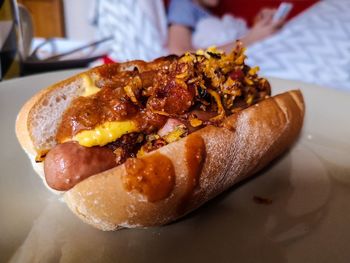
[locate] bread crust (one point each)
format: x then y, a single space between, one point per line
247 142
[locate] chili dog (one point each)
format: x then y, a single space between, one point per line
139 144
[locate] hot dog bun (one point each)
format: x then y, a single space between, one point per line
254 138
190 171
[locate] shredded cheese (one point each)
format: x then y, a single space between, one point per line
175 135
195 122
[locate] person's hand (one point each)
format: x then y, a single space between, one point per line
264 15
263 27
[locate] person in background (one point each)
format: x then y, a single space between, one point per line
184 17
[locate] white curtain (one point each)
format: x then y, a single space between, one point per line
139 28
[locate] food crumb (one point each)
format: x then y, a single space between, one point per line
262 200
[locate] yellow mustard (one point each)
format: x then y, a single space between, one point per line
105 133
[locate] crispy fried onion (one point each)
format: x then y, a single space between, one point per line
135 83
221 110
160 112
129 92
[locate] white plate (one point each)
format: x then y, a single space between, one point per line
307 220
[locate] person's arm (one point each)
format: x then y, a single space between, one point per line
263 27
179 39
180 36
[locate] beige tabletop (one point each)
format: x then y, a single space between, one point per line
307 220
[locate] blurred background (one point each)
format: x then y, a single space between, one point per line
312 44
